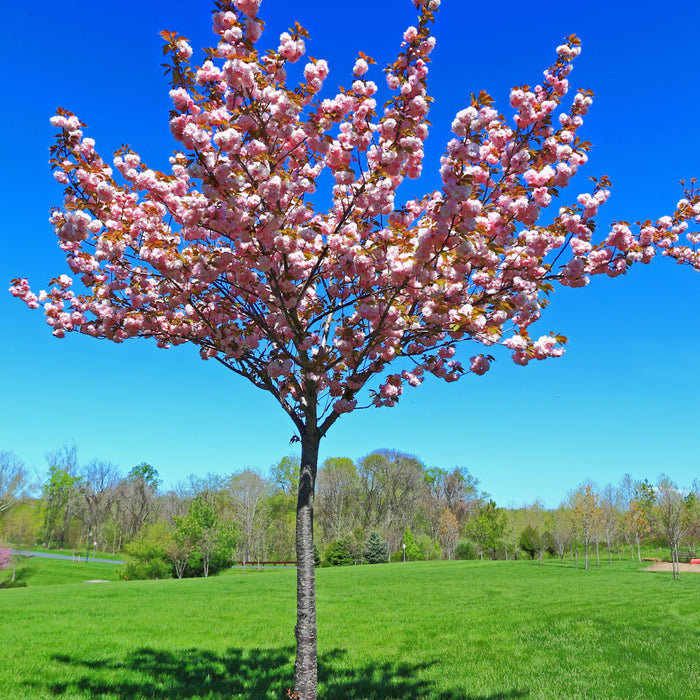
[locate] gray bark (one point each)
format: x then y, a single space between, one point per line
305 668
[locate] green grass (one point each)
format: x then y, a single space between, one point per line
35 571
442 630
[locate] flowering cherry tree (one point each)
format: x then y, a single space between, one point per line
329 310
5 557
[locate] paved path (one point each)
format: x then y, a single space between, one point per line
48 555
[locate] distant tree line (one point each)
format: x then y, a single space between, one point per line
387 506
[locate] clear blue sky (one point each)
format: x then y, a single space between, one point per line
624 398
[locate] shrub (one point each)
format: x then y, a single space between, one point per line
428 547
339 554
413 552
217 562
147 569
150 554
466 549
535 543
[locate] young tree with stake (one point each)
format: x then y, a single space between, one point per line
328 310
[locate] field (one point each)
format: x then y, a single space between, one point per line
440 630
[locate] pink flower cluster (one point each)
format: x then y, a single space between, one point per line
228 250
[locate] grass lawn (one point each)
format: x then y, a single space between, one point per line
35 571
441 630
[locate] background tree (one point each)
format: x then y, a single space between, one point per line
456 490
285 475
610 510
625 491
280 544
563 531
390 489
214 537
23 523
638 513
535 542
14 480
462 495
669 506
249 492
98 487
411 550
692 516
174 502
60 495
137 498
448 532
180 544
487 528
535 538
511 534
587 514
337 493
228 252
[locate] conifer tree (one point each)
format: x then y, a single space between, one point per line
375 550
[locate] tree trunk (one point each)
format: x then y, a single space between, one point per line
674 560
305 667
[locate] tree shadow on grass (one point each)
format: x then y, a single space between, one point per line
252 674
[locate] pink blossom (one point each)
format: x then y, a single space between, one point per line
361 67
516 342
479 365
253 29
344 406
620 237
249 8
291 49
547 346
184 50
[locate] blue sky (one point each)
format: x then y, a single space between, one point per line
624 398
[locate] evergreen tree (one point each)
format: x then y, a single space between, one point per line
339 554
375 550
